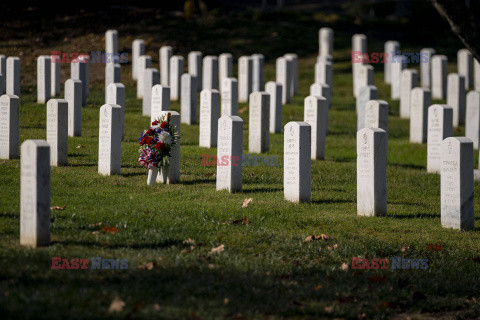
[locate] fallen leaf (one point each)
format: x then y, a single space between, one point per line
95 232
189 241
58 208
377 278
211 266
80 147
156 307
332 247
243 221
148 266
116 305
246 202
188 250
329 309
218 249
434 247
225 301
107 229
243 110
251 175
318 288
317 237
344 266
405 248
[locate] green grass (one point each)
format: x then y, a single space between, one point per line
266 269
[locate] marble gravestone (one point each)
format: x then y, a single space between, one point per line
359 46
292 60
472 119
113 74
456 97
372 172
396 76
230 146
13 76
111 42
440 127
274 89
321 90
297 172
364 77
229 103
283 77
409 80
420 100
245 69
366 94
151 77
465 67
188 98
174 170
73 96
258 62
78 71
456 180
426 67
138 49
324 74
316 115
9 127
195 67
209 115
116 96
225 68
439 76
35 193
144 62
55 76
376 114
57 131
160 101
110 140
258 125
175 78
165 54
210 72
391 47
325 41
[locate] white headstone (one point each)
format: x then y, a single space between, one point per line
439 77
324 73
359 46
275 91
144 62
376 114
366 94
391 48
57 131
166 53
292 60
116 96
396 73
325 41
174 171
110 140
113 74
465 67
175 78
456 97
78 71
73 96
111 42
13 76
195 67
316 115
138 49
258 125
35 193
440 127
245 69
258 61
160 101
372 172
321 90
209 115
283 76
409 80
364 77
457 196
426 67
9 127
229 97
210 72
230 147
151 77
225 68
55 76
472 119
297 183
420 100
188 99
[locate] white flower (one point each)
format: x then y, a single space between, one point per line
165 137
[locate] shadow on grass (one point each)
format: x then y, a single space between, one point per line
197 181
159 245
82 165
257 190
414 216
408 166
327 201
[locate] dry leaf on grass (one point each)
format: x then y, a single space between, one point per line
317 237
251 175
80 147
243 110
108 229
116 305
189 241
58 208
434 247
156 307
212 266
246 202
243 221
318 288
148 266
188 250
218 249
344 266
405 248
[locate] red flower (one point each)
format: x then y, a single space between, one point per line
160 145
142 142
150 132
164 125
154 123
149 140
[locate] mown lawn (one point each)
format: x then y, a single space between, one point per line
266 270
